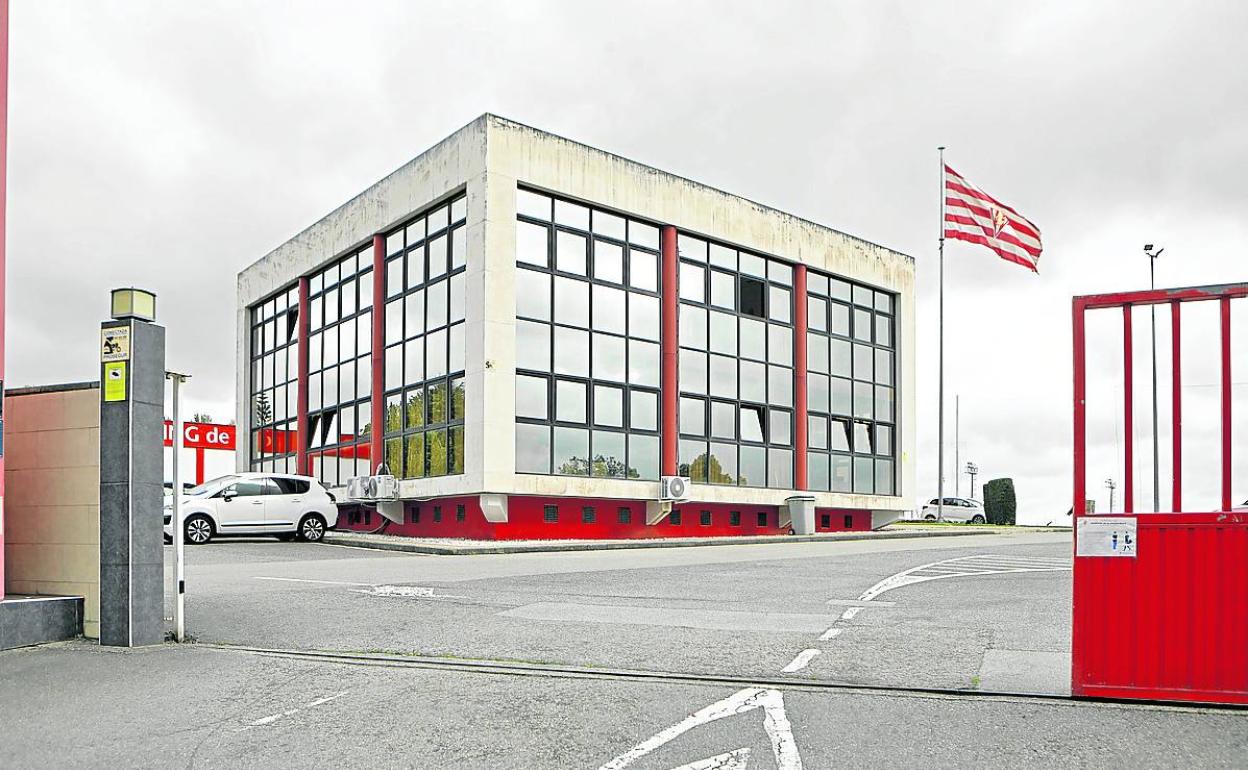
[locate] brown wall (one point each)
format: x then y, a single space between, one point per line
52 486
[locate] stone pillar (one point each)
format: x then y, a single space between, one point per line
132 405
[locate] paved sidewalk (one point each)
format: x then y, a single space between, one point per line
454 547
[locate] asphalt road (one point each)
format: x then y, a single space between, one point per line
740 610
736 658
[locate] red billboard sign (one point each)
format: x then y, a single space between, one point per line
203 435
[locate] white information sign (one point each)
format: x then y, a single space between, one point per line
1105 536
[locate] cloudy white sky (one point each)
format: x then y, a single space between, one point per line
169 144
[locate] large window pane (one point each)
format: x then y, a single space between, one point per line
693 371
608 262
571 351
570 404
643 456
752 468
752 423
723 376
692 282
531 243
643 270
693 416
643 316
531 397
571 451
780 468
693 327
723 333
723 420
643 411
572 302
692 459
608 455
570 253
533 346
608 406
780 345
532 448
532 294
753 382
643 363
609 309
609 358
722 464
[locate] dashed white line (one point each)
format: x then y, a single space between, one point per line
802 660
831 633
322 582
850 613
270 719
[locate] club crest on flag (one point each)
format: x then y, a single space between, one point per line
974 216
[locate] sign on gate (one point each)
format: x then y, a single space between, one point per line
1105 536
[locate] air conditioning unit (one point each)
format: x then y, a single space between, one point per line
385 487
674 488
360 488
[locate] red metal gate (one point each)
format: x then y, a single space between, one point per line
1160 599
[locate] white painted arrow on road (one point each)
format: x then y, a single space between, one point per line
775 722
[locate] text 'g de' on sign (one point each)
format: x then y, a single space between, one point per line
202 435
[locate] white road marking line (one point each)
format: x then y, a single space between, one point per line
831 633
935 571
733 760
856 603
802 660
270 719
850 613
322 582
775 722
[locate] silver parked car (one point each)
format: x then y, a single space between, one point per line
962 509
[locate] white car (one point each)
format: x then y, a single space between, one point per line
956 509
255 504
1243 507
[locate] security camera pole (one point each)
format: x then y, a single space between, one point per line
1152 313
179 564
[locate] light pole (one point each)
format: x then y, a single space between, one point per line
179 564
1111 485
1152 314
972 470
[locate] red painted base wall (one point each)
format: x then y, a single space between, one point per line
461 517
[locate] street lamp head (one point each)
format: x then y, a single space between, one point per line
131 303
1148 247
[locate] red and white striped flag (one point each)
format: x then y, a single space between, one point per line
975 216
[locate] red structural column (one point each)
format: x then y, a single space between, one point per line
376 449
1226 402
671 357
1176 400
1128 414
1079 429
301 389
800 480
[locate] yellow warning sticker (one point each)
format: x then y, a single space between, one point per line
115 381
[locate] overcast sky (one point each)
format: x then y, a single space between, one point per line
170 144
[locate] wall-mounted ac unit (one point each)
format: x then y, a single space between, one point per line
674 488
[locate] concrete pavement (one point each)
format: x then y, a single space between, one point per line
195 707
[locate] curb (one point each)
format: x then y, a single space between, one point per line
554 546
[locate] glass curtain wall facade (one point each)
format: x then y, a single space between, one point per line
274 381
587 341
736 366
851 393
340 338
424 360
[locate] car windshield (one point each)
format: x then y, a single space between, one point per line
210 486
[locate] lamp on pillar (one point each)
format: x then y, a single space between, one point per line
132 303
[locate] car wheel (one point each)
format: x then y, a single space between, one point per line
930 517
312 528
198 529
977 519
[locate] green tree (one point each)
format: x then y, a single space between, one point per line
264 411
1000 504
706 467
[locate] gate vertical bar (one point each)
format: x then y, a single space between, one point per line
1080 477
1226 403
1128 420
1176 397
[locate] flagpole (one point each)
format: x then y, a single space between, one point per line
940 325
